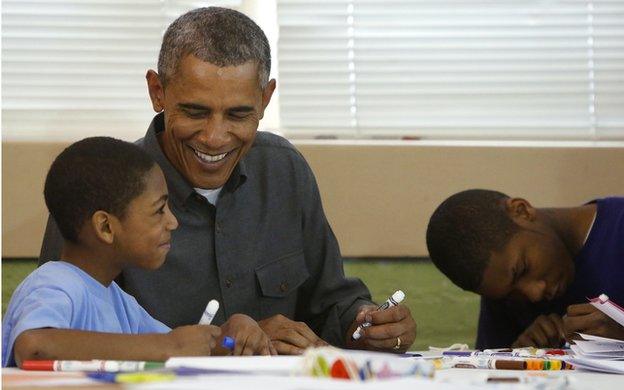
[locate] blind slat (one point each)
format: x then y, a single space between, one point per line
427 65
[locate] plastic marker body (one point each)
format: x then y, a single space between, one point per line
228 343
209 313
394 300
89 365
481 362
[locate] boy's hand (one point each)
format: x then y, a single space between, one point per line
250 338
546 331
585 318
290 337
387 327
193 340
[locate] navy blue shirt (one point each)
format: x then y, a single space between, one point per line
599 268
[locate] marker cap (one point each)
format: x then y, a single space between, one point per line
213 306
398 296
38 365
228 343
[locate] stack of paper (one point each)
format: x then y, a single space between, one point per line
600 365
596 347
600 353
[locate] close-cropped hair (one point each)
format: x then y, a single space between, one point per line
97 173
220 36
464 231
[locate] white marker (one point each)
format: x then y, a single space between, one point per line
394 300
209 313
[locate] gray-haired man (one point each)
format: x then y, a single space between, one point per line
252 232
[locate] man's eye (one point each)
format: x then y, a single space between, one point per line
239 115
194 114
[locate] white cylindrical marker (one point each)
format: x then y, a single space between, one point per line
209 313
394 300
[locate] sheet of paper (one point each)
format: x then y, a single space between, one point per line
599 346
596 355
274 365
611 309
599 338
245 382
599 365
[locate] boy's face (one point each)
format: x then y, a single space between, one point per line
143 235
534 266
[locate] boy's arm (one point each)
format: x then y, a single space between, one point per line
545 332
496 329
66 344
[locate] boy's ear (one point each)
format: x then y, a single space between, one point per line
102 224
520 210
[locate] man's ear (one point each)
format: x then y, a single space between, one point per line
103 226
156 90
520 210
267 93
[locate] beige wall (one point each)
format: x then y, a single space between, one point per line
378 198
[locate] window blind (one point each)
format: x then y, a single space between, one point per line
72 68
452 68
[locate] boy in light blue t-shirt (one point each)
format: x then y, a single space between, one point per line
109 199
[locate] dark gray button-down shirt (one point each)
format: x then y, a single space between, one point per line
266 248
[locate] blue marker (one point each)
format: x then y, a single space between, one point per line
228 343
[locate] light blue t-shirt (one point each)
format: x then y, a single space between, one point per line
61 295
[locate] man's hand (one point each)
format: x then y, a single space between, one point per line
250 338
289 337
546 331
585 318
387 327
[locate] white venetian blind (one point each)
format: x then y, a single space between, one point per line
73 68
452 68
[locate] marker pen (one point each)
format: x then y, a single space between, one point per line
394 300
480 362
209 312
89 365
228 343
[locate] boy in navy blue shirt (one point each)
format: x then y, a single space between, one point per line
534 268
109 199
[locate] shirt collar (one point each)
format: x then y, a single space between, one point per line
179 188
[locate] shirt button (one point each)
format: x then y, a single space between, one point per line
228 283
283 287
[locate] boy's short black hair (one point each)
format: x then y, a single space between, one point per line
464 230
97 173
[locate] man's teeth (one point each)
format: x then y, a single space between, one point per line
209 158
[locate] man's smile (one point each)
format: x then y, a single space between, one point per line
210 158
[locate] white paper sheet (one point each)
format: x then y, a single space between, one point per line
611 309
273 365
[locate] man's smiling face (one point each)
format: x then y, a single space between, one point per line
211 117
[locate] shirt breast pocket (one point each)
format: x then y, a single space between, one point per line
279 282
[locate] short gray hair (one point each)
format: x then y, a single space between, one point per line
220 36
